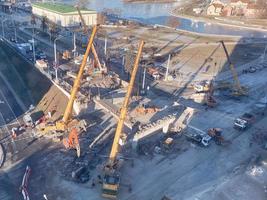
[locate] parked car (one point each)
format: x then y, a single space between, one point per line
40 55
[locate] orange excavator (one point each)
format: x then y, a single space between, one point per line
209 98
111 173
72 142
143 109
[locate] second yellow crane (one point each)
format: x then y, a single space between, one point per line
111 179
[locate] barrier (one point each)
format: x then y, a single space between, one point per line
2 155
24 184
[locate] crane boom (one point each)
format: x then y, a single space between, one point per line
240 90
85 30
111 179
123 113
77 81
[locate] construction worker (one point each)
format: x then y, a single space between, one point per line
14 132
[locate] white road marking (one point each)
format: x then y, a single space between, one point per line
5 99
13 142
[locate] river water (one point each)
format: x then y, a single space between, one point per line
159 13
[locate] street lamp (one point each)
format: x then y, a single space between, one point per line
3 32
263 57
33 46
55 54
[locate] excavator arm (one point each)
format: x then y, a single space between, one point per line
72 142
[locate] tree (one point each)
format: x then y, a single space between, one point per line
33 20
262 6
83 3
53 29
44 22
101 18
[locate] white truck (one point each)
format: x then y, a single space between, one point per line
202 139
241 123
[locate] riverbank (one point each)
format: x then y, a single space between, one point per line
220 21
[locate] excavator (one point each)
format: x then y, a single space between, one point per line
101 68
67 123
111 175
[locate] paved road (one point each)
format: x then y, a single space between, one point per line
9 107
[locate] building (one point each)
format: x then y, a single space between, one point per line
255 11
242 4
63 15
239 7
227 11
215 9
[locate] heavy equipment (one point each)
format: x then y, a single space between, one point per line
244 121
72 142
216 134
102 69
67 123
144 109
202 86
238 90
111 175
210 101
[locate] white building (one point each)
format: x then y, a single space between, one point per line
64 15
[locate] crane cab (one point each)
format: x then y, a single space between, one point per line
110 186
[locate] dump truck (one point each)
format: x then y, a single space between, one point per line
243 122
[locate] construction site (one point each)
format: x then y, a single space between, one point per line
135 112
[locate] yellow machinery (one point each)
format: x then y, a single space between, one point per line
238 89
85 29
66 123
111 179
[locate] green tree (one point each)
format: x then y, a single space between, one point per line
44 22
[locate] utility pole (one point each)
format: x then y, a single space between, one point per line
264 53
144 80
74 43
123 63
14 23
167 69
55 55
105 49
33 46
3 31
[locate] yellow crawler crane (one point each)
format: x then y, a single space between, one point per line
67 123
111 179
238 90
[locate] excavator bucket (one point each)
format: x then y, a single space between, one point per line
78 150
